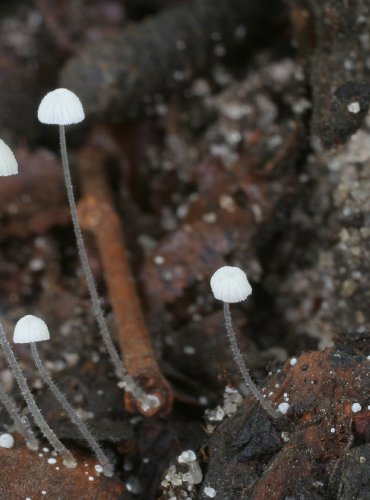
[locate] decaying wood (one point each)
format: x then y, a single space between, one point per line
99 216
134 71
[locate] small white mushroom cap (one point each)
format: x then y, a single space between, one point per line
230 284
6 441
8 163
60 107
30 329
186 457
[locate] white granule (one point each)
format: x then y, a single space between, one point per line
283 408
159 260
209 492
354 107
6 441
293 362
356 407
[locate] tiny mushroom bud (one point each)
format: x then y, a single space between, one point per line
60 107
8 163
30 329
230 284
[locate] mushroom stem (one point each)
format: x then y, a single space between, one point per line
11 407
243 369
128 382
72 414
69 460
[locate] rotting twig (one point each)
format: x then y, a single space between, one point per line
98 215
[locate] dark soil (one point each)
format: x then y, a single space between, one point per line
234 133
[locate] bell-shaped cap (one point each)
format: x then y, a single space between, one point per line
8 163
30 329
60 107
230 284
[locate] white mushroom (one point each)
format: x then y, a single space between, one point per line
62 107
69 460
31 329
283 408
230 284
8 163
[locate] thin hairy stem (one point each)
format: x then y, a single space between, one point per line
11 407
129 384
71 412
69 460
238 358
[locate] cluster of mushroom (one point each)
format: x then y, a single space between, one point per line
60 107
